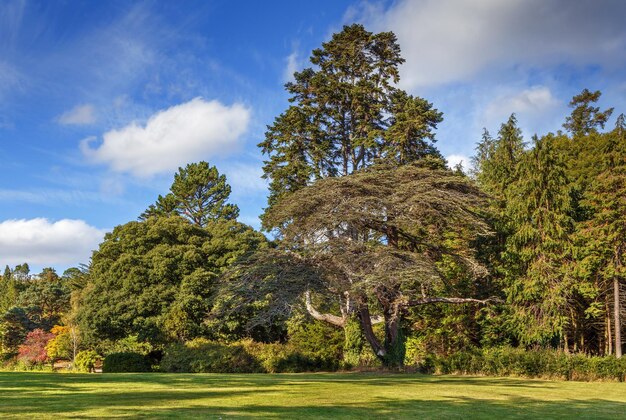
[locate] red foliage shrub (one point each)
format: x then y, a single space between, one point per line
33 350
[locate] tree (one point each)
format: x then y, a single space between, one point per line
61 345
538 249
585 117
346 114
199 194
33 351
49 294
14 326
155 278
604 234
370 244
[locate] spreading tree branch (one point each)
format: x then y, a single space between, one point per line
429 300
331 319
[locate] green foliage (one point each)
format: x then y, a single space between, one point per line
199 194
586 118
540 211
126 362
507 361
86 361
346 114
204 356
353 345
155 279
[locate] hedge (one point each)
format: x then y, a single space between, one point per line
126 362
204 356
507 361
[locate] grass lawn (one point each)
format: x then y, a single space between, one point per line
299 396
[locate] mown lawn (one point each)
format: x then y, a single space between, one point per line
358 396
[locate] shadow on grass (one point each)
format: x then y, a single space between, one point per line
286 396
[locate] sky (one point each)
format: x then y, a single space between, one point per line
101 102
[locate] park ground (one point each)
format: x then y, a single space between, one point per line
354 395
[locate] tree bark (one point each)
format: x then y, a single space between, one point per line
330 318
366 324
616 315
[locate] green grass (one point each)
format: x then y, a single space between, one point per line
357 396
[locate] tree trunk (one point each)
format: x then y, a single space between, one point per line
366 324
395 342
616 314
609 333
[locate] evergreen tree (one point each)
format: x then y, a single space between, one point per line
604 234
585 117
199 194
347 114
538 251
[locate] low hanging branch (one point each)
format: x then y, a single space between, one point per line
330 318
429 300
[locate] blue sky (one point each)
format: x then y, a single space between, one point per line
100 102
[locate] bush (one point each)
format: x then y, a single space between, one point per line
86 361
33 350
204 356
507 361
126 362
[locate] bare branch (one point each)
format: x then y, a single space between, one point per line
426 301
331 319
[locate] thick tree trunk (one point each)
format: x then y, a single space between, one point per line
394 342
366 324
616 315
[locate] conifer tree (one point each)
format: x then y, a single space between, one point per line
539 248
346 114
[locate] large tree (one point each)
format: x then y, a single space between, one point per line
346 114
538 253
155 278
370 246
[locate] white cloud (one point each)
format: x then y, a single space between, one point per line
446 41
79 115
42 242
192 131
455 159
536 100
535 108
293 64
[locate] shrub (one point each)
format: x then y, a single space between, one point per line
86 361
506 361
33 351
204 356
126 362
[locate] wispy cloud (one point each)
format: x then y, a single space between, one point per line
245 178
79 115
55 197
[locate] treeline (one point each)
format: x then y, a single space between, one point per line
381 255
